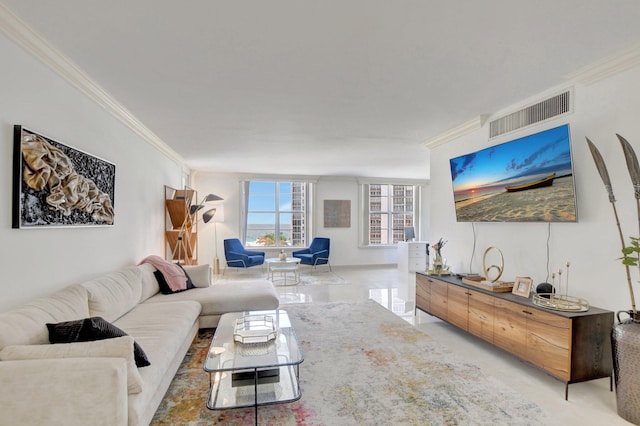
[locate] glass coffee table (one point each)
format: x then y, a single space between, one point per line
261 371
290 265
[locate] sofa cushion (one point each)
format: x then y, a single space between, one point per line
232 297
200 274
119 347
149 282
190 284
160 328
90 329
63 392
165 331
25 325
114 294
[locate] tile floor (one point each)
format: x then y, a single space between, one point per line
590 403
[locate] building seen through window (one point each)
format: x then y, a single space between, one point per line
391 209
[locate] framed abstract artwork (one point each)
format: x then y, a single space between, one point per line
337 213
55 185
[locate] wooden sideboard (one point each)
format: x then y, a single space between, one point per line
571 346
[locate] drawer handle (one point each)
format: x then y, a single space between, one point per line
527 312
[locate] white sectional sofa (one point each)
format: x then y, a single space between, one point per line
97 382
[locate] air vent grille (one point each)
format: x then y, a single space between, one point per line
549 108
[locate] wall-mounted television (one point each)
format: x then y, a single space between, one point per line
529 179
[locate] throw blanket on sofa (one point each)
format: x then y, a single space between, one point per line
173 274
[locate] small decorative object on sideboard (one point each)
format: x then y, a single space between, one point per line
545 290
522 286
439 265
625 337
492 272
560 301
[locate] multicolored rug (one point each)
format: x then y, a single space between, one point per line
363 366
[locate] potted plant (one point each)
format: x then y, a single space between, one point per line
625 336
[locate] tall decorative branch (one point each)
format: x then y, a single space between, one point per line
604 174
634 172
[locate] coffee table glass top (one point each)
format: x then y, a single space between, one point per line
290 265
225 354
288 260
239 370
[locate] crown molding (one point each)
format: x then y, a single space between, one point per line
456 132
607 67
31 41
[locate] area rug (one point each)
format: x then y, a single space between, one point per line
307 277
363 366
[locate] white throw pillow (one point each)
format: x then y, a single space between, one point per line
119 347
200 274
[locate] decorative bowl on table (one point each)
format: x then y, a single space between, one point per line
254 329
560 302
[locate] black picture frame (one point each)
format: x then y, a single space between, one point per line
56 185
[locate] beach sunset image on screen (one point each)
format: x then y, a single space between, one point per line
529 179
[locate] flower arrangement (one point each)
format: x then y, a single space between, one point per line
631 253
438 246
438 264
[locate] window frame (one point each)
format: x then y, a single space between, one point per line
277 213
365 211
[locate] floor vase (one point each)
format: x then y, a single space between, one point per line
625 343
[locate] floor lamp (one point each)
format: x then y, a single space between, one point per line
218 218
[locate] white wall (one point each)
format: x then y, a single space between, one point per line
345 249
591 245
38 261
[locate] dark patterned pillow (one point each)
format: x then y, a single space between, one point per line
162 283
164 286
190 283
89 329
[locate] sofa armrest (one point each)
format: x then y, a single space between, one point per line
69 391
322 254
254 253
200 274
234 255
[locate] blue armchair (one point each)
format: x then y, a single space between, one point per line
237 256
316 254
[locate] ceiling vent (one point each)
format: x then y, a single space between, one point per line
552 107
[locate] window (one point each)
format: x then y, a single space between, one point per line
276 213
388 209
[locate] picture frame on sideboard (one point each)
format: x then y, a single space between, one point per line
522 286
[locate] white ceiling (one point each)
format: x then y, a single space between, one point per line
333 87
